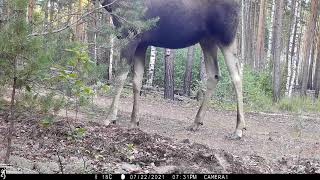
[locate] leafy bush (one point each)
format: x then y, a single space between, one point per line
257 89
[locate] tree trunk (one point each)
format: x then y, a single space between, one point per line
3 13
12 113
260 38
91 28
51 13
308 44
188 72
291 44
30 10
271 32
310 78
243 30
203 73
169 74
79 25
250 35
317 71
111 58
153 56
276 48
294 57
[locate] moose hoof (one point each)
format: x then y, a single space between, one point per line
237 135
134 125
114 122
194 127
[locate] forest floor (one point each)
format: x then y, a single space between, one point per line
273 143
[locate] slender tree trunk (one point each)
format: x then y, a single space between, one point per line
294 57
260 38
2 14
317 72
203 73
188 72
291 44
291 28
111 58
308 44
46 22
153 56
30 10
276 48
169 74
243 31
79 25
1 9
299 62
91 28
271 32
310 78
12 114
51 13
250 38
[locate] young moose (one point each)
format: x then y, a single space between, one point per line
183 23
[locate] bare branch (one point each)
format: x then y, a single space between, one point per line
71 24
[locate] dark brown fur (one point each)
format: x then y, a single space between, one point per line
184 23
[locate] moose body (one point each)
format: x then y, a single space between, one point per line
182 23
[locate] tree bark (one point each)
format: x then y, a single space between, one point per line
2 13
308 44
291 44
79 25
188 72
294 57
310 74
243 30
276 48
260 38
317 71
169 74
111 58
271 32
203 73
30 10
12 114
153 56
91 35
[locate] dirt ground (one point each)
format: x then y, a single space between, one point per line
273 143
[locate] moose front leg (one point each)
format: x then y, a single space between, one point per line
233 65
119 81
139 61
209 49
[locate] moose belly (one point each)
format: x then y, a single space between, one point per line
179 24
174 39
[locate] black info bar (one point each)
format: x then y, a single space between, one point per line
5 176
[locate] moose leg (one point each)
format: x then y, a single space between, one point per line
126 55
139 61
233 65
118 87
209 49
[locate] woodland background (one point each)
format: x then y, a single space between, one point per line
58 54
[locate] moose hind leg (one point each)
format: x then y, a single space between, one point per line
233 66
119 81
138 71
210 56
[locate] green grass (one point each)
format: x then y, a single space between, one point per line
298 104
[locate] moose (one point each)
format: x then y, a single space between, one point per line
182 23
